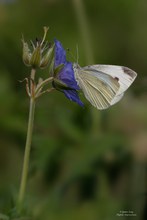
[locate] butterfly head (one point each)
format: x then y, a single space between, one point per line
76 66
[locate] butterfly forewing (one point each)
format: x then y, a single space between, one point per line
124 75
104 85
99 88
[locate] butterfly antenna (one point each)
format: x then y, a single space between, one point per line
72 56
77 50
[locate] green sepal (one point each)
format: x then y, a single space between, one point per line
26 54
58 69
36 57
51 66
48 57
59 85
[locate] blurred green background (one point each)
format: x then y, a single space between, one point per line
85 164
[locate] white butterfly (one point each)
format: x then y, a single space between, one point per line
103 85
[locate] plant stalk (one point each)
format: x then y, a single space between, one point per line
27 146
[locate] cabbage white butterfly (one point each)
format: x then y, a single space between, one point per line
103 85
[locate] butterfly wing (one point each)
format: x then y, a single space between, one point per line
99 88
124 75
104 85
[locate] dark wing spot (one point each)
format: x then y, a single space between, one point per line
128 71
116 79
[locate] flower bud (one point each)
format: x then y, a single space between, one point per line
26 53
48 57
36 57
41 55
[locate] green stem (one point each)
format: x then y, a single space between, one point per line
27 148
43 83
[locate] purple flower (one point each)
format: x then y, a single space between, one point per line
66 74
60 54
